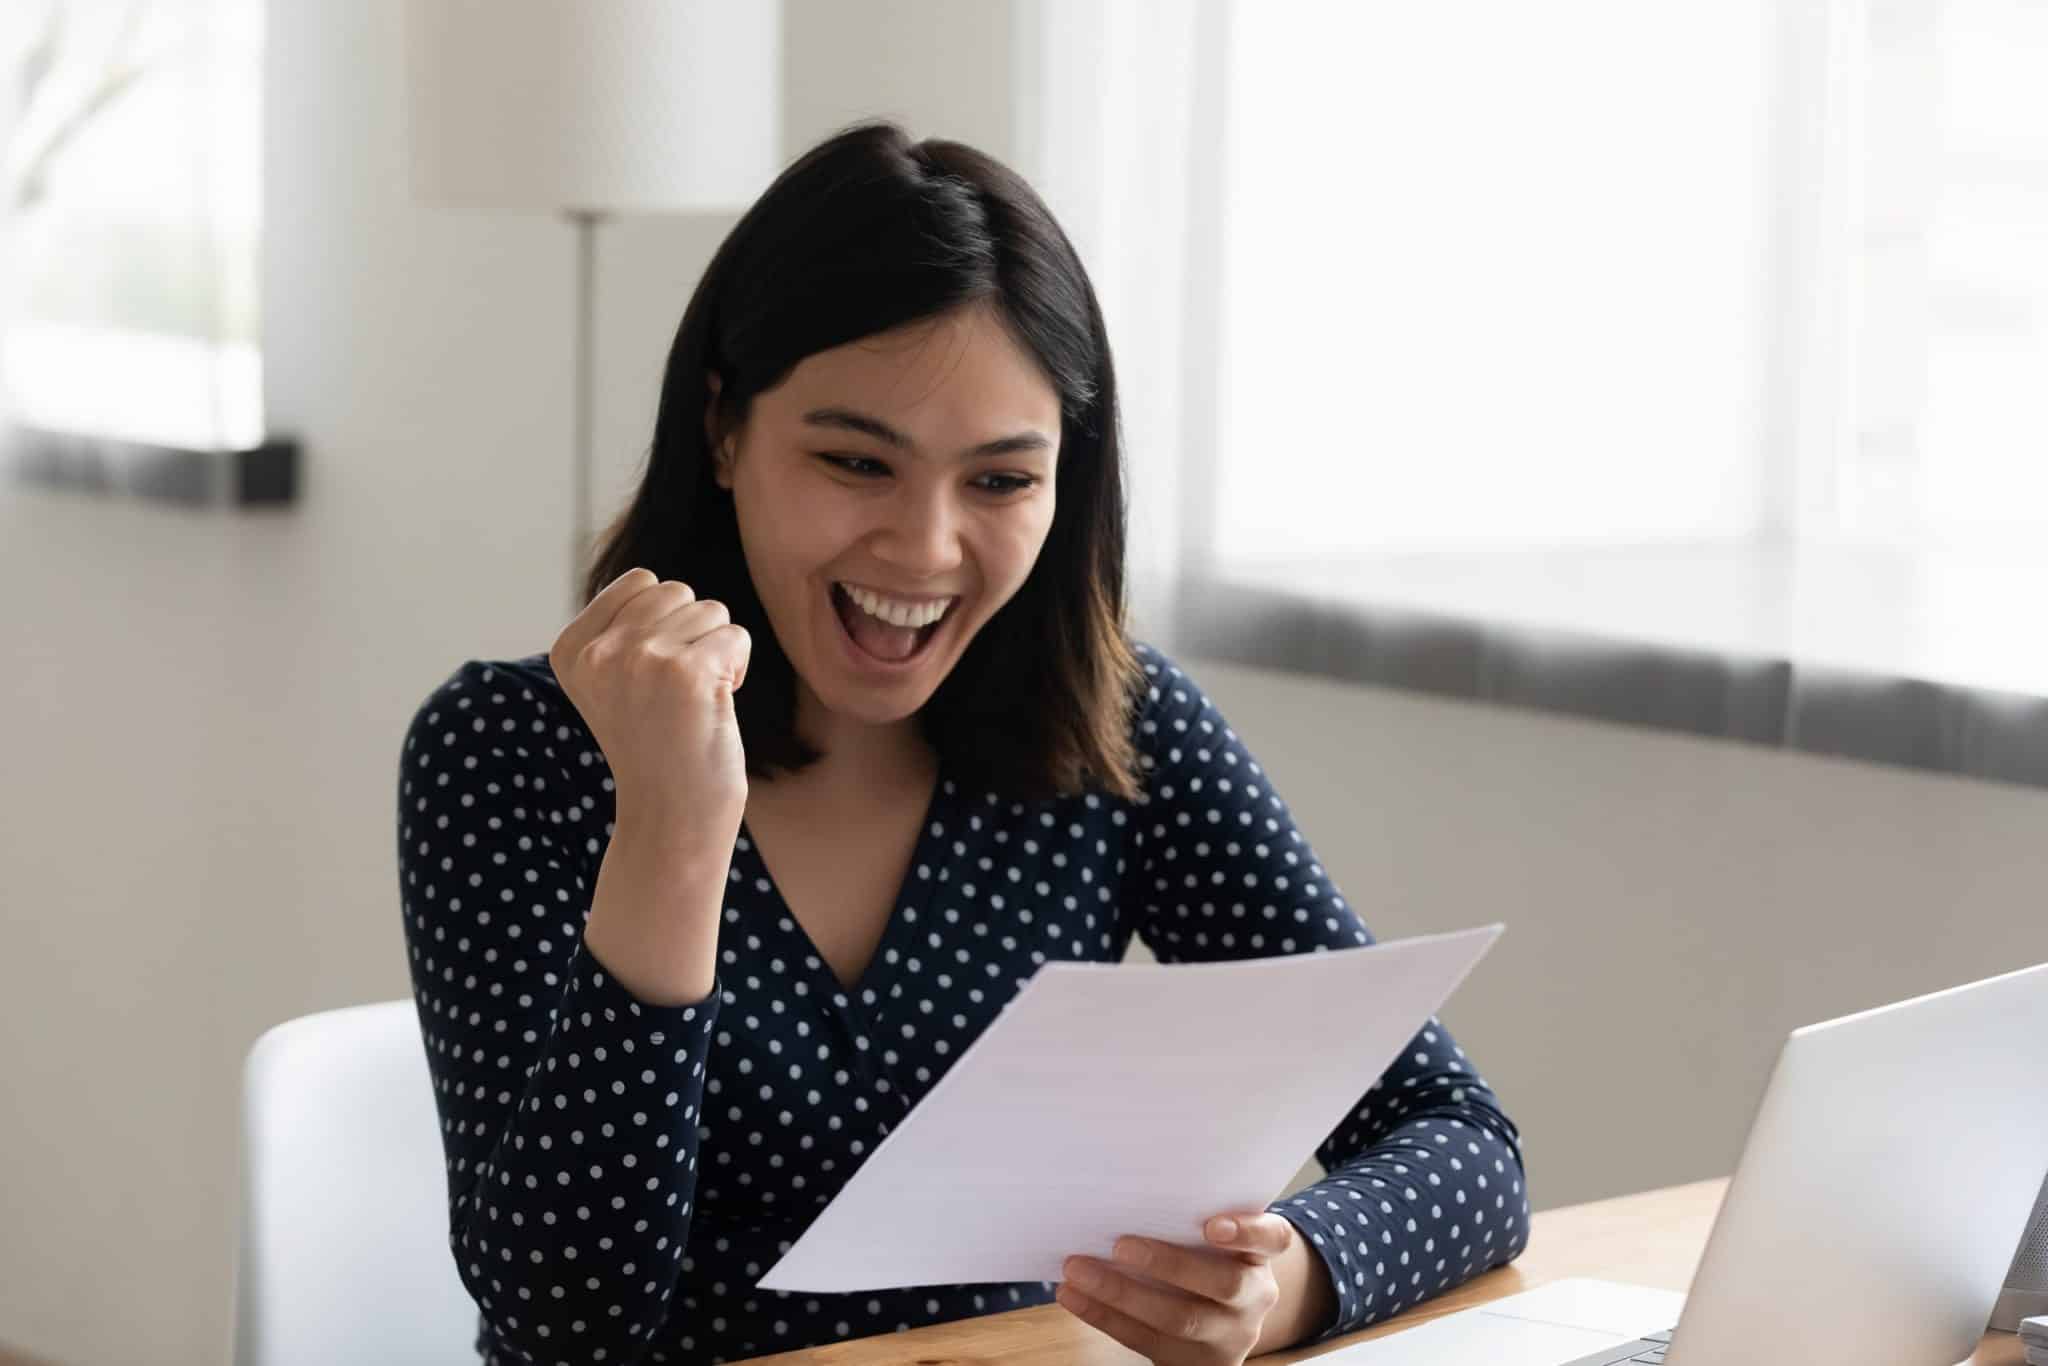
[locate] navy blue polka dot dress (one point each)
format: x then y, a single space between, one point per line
620 1174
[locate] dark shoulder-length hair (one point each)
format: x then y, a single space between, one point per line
868 231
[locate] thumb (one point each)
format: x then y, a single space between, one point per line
743 655
730 648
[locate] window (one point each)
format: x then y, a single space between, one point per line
1493 275
1944 416
1499 276
131 218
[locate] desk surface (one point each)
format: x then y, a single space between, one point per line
1654 1238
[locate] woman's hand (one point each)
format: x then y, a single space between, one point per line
1202 1306
652 670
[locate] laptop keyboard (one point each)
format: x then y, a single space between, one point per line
1648 1349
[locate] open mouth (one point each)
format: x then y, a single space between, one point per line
879 641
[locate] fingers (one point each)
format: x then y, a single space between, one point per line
637 603
653 602
1155 1323
598 614
1140 1337
728 648
1261 1235
1213 1275
706 627
1157 1297
689 619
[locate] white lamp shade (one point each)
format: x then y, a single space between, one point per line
599 105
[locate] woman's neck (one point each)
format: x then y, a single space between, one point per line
858 760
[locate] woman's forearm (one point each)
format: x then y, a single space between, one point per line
654 913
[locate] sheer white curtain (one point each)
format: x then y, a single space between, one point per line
1118 124
1935 432
1497 276
1492 277
1386 276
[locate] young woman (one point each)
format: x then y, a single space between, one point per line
848 739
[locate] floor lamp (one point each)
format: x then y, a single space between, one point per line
593 109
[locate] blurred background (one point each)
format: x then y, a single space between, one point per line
1595 453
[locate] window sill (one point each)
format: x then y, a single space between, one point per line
1927 660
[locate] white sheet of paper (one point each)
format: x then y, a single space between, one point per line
1112 1098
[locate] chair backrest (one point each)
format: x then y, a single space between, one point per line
344 1233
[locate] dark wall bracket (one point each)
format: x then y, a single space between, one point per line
261 476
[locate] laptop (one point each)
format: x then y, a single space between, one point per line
1888 1176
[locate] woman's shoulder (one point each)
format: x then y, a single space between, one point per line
527 671
1169 707
1155 663
528 681
1167 691
500 708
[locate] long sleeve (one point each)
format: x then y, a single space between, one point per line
1424 1186
568 1108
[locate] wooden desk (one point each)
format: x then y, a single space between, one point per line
1654 1238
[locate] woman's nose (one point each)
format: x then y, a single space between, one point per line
922 535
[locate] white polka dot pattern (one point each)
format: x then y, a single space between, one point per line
621 1174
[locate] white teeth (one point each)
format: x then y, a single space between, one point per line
893 612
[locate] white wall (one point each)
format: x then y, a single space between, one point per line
203 713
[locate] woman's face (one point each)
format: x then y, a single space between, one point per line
914 468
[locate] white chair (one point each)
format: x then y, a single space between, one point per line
344 1237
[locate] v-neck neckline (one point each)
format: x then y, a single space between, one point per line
911 894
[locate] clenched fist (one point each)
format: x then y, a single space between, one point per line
652 669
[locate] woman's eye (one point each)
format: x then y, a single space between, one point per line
849 462
864 467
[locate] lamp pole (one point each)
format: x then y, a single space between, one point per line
585 222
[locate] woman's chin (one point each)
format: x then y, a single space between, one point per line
878 704
856 699
872 711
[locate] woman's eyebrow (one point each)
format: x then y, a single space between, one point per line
849 420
